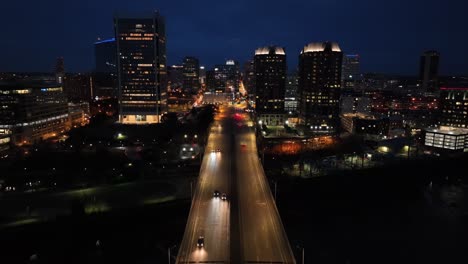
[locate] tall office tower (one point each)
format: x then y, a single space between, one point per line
59 70
290 95
227 76
141 65
249 76
202 77
211 83
270 82
454 106
191 69
350 71
105 72
429 70
319 86
175 76
224 78
105 56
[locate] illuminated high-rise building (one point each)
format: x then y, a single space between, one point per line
429 70
270 82
175 76
249 76
202 76
290 95
319 86
105 56
350 74
141 65
191 71
59 70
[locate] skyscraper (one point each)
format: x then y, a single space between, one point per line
59 70
212 84
270 82
319 86
249 76
191 70
175 76
202 77
290 96
224 77
429 70
350 71
229 75
105 72
142 75
105 56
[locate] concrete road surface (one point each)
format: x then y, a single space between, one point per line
209 216
247 227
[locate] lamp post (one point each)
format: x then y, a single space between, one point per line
169 253
191 189
302 253
275 182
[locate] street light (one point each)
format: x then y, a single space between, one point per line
169 253
302 249
276 184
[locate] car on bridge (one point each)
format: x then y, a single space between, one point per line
201 241
216 194
223 197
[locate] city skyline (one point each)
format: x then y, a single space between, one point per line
235 30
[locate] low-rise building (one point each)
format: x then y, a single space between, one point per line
5 141
369 125
447 138
32 111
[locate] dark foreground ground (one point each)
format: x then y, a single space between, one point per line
404 213
138 235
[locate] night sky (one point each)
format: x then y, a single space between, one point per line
389 35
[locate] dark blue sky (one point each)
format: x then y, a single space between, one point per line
389 35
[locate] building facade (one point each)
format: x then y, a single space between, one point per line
191 74
202 78
105 56
141 65
225 77
79 86
32 111
429 70
351 72
59 70
319 86
367 125
175 77
454 107
248 77
448 139
355 103
291 94
270 84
